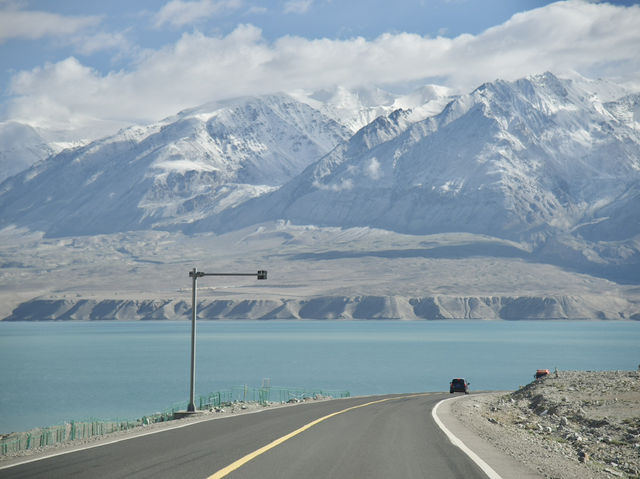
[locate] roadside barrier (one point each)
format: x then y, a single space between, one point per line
91 428
264 395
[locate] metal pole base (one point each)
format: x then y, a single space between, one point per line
191 408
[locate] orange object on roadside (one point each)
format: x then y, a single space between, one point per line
541 372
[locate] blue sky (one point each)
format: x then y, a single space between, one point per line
89 67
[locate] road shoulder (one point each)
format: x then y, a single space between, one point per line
569 424
503 464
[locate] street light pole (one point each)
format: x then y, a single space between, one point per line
194 301
195 274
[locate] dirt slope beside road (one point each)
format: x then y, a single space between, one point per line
573 424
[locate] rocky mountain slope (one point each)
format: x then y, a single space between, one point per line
314 273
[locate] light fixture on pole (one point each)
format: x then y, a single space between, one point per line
195 274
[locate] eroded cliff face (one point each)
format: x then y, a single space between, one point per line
332 308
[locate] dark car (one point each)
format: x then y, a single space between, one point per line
459 385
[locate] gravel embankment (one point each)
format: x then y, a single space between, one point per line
569 424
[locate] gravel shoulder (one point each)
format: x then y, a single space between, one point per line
567 425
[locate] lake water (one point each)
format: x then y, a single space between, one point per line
57 371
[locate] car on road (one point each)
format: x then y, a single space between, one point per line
459 385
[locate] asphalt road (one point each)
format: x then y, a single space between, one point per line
387 437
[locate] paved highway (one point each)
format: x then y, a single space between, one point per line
368 437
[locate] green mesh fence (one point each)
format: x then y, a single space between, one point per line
82 430
265 395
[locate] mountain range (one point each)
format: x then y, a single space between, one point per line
549 165
539 161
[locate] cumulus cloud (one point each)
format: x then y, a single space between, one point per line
83 101
343 185
15 23
179 12
594 39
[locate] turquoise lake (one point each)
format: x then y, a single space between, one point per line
58 371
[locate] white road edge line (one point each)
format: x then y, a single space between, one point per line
458 443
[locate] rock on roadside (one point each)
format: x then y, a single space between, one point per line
569 424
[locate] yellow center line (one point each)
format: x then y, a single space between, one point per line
252 455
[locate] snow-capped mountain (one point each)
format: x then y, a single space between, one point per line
518 160
197 163
539 160
20 147
492 204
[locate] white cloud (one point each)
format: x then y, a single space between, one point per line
179 12
373 169
297 6
343 185
32 25
596 40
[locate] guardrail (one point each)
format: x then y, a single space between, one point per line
90 428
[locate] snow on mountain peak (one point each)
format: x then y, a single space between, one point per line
520 160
